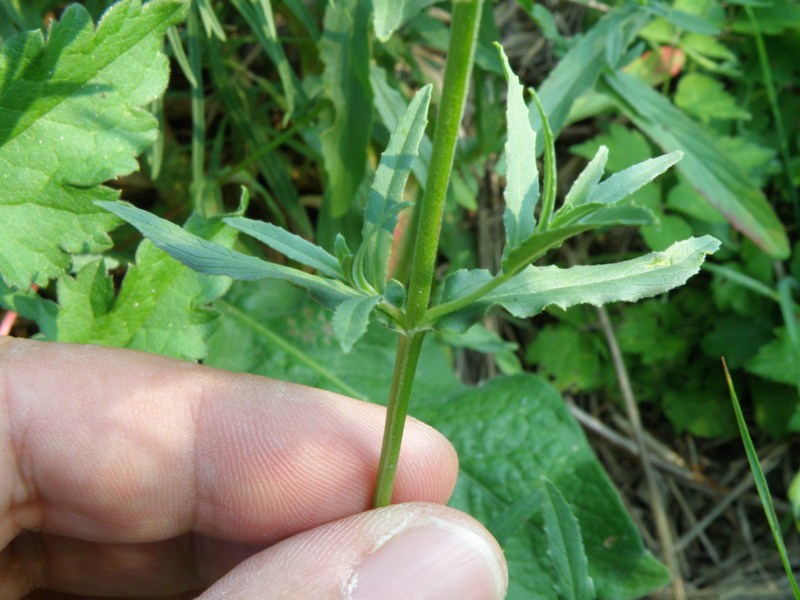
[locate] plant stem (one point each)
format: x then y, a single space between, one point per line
408 350
463 36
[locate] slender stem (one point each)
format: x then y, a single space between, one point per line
766 72
408 350
198 112
463 36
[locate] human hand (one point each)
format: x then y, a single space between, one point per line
124 474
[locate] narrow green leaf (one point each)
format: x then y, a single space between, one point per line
580 69
565 546
587 181
621 185
522 177
391 105
345 52
761 484
73 117
351 318
385 198
210 21
535 288
549 184
683 20
391 14
289 244
213 259
709 169
258 14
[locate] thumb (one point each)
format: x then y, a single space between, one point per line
414 550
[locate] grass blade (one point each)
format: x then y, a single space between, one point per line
761 484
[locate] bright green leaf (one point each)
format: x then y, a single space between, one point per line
522 177
161 306
71 117
290 245
385 198
565 546
705 97
510 432
351 318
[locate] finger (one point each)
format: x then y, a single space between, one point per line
113 445
419 551
176 566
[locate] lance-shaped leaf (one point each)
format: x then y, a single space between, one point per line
351 318
71 117
289 244
345 52
536 288
587 181
386 195
522 177
565 546
213 259
621 185
705 165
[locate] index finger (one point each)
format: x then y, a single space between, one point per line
113 445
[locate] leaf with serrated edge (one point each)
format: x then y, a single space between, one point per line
621 185
214 259
535 288
290 245
71 117
351 318
588 179
386 194
565 546
522 177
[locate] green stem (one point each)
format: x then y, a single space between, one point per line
463 36
408 350
198 112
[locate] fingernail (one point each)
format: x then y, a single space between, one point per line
433 559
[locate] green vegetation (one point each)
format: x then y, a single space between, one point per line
382 227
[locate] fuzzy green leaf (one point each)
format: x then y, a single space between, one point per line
565 546
522 177
587 181
621 185
70 119
535 288
351 318
213 259
288 244
344 50
385 198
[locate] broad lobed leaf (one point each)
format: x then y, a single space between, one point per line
70 119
